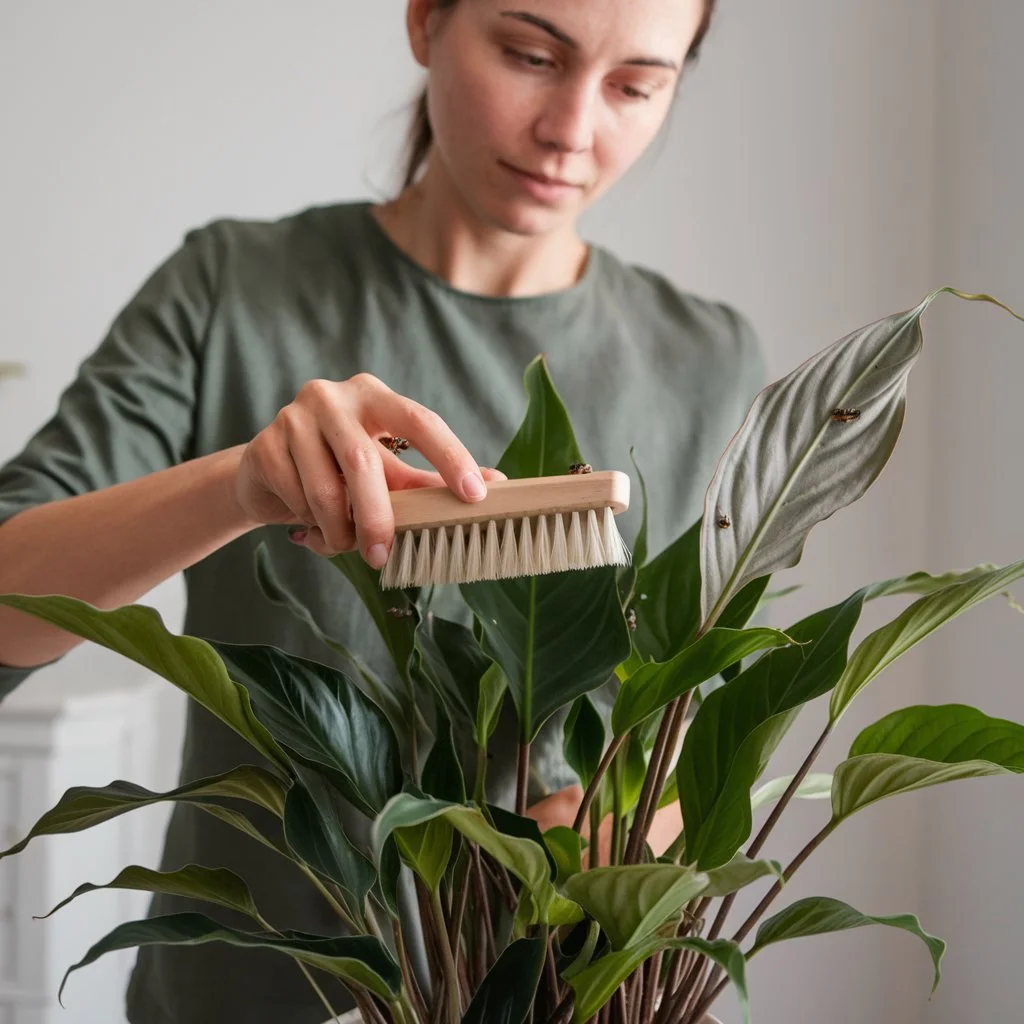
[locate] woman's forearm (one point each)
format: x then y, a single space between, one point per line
110 547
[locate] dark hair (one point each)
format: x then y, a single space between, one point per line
421 134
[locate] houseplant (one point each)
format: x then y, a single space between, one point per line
640 939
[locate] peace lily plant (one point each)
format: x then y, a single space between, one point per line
639 940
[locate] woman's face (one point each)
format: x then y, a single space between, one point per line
539 106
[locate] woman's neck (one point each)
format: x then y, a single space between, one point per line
432 226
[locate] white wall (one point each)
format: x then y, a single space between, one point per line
797 179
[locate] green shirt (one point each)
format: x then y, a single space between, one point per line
221 337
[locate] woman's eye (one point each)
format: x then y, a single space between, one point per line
633 93
531 60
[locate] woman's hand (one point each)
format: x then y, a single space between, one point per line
320 464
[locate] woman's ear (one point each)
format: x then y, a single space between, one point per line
420 18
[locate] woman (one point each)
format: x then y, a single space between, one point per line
246 388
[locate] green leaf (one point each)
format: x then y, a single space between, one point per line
313 831
193 881
361 960
323 719
427 848
526 859
816 786
741 871
442 773
278 594
397 631
924 746
792 465
493 687
656 685
453 664
599 982
566 848
583 743
633 901
879 650
138 633
507 993
731 738
922 583
529 623
819 915
81 807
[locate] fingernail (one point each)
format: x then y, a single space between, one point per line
377 556
473 486
298 534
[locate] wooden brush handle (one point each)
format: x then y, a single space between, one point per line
431 507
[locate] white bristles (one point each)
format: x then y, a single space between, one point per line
505 549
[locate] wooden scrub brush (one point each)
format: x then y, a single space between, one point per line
526 527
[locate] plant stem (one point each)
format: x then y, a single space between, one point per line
327 895
522 778
419 1004
486 952
766 828
594 850
451 974
306 972
480 784
595 782
652 975
617 817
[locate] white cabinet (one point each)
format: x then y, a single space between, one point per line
81 722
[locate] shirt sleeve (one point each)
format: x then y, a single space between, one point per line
129 410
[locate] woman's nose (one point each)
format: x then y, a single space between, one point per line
568 120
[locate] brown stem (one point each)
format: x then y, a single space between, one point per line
368 1008
419 1003
595 782
486 949
652 975
522 778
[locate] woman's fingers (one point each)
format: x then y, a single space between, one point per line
326 495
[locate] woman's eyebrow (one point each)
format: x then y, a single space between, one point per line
566 40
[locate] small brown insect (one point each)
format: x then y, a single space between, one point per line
631 619
581 467
400 613
724 522
395 444
845 415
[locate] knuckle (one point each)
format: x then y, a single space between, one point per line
328 496
316 390
359 457
367 382
426 421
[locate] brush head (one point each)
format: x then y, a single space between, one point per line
525 527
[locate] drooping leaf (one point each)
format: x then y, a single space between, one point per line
656 685
442 773
510 824
313 831
633 901
879 650
922 583
566 849
924 746
738 727
527 860
816 786
319 715
81 807
529 623
398 631
193 881
583 743
138 633
739 872
278 594
819 915
360 960
507 993
453 664
599 982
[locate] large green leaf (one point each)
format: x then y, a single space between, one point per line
398 631
922 583
879 650
530 624
507 993
278 594
361 960
812 443
314 833
526 859
81 807
193 881
815 786
583 743
818 915
738 727
138 633
323 719
451 661
741 871
633 901
595 985
656 685
924 746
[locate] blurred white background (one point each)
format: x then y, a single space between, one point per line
828 163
